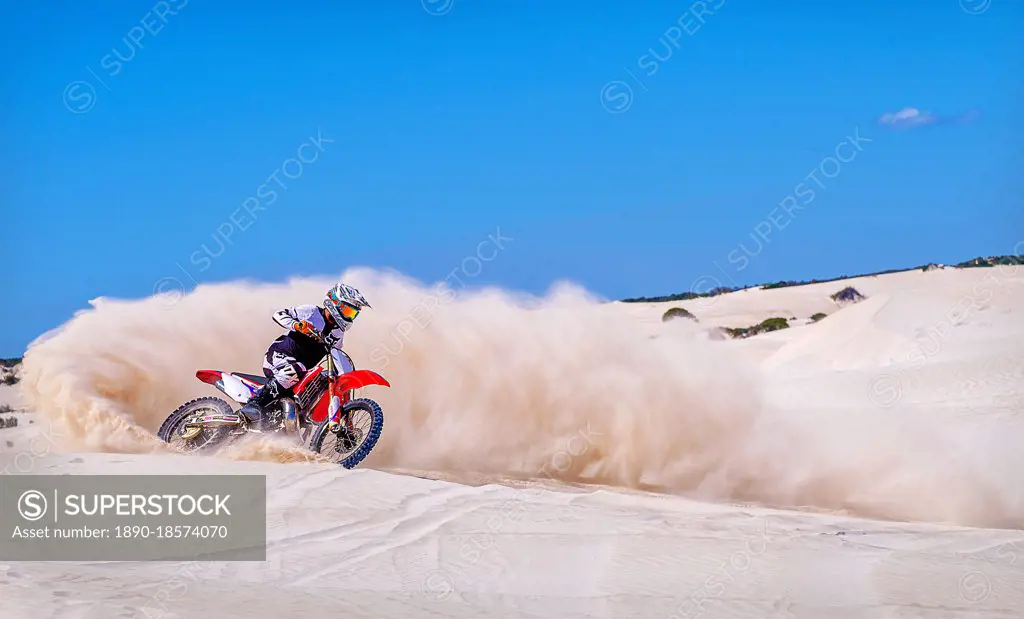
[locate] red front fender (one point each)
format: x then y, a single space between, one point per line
352 380
360 378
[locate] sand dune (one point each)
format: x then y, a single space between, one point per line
372 544
11 396
884 430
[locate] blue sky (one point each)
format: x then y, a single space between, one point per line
495 116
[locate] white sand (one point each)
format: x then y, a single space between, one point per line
378 543
11 396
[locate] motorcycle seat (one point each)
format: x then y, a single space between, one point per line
259 380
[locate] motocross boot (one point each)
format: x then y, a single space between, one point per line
255 408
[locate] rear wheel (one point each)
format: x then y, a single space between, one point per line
361 423
180 431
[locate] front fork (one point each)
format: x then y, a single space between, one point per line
346 435
334 409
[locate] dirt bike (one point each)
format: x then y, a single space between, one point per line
325 394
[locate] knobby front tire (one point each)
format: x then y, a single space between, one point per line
361 451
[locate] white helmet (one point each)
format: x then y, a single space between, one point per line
344 302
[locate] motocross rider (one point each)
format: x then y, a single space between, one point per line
313 331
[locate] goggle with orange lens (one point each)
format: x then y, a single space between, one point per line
348 312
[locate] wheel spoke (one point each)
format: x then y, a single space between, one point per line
205 437
356 429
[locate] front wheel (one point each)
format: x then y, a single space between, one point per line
361 423
180 431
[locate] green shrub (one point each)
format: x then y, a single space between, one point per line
7 371
771 324
774 324
848 295
677 312
991 261
818 316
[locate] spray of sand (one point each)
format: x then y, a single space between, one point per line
496 383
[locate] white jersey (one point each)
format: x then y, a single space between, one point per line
306 349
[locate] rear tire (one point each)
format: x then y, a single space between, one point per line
362 450
207 437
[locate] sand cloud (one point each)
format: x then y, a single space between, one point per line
503 384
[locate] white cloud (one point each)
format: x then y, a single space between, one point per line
908 117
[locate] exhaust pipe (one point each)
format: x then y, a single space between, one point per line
291 414
192 429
